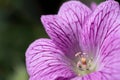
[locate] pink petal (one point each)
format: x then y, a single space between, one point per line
46 62
65 28
74 11
100 24
102 39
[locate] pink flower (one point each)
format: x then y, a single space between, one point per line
83 44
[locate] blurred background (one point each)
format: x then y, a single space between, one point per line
19 26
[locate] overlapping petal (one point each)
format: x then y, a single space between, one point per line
65 28
46 62
101 24
102 40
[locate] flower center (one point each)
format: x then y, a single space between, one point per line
84 65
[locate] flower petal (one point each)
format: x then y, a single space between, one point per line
110 53
64 28
46 62
74 11
102 38
100 25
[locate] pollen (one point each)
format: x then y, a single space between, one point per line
83 61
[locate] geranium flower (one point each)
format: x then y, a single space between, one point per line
84 44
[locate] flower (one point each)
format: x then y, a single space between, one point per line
84 44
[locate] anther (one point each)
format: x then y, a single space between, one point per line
78 54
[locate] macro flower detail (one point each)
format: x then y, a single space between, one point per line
84 44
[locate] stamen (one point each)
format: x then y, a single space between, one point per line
78 54
83 62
